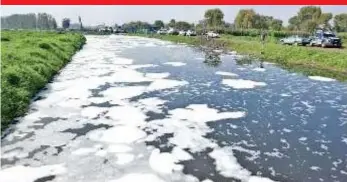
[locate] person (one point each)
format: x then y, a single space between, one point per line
262 39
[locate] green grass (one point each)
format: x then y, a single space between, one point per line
29 60
329 62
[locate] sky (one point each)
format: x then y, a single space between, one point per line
95 15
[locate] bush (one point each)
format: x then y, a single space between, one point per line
4 39
45 46
27 71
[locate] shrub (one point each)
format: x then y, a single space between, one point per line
45 46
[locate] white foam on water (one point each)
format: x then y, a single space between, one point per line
118 134
227 166
98 65
124 158
83 151
138 66
259 69
118 93
127 115
176 64
324 147
285 95
120 60
226 73
315 168
320 78
181 155
137 177
242 84
119 148
202 113
207 180
302 138
25 174
284 141
92 112
344 140
287 130
162 162
157 75
275 153
153 104
161 84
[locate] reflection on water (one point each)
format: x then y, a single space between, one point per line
212 58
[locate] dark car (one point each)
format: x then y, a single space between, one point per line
325 39
295 40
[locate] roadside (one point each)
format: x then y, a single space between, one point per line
326 62
30 60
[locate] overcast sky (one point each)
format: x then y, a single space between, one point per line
94 15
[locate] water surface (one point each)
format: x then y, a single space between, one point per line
138 109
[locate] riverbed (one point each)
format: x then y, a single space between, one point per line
131 109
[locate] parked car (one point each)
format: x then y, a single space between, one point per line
162 31
295 40
190 33
212 34
172 31
325 39
182 32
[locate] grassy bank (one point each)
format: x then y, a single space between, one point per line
329 62
29 60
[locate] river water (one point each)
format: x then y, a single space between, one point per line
132 109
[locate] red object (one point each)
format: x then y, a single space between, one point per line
174 2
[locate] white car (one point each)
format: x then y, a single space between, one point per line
162 31
212 34
190 33
182 32
172 31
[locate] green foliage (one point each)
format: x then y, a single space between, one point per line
308 18
248 19
214 17
24 72
182 25
159 23
340 22
29 21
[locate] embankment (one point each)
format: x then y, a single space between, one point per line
328 62
29 60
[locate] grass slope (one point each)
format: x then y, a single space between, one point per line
29 60
329 62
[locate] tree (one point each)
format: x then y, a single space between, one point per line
340 22
66 23
276 24
172 23
308 18
182 25
214 17
159 23
245 18
80 21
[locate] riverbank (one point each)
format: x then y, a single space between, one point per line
30 60
328 62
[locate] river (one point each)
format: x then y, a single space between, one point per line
129 109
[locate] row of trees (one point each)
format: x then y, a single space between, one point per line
29 21
307 19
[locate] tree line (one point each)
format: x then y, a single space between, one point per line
29 21
307 19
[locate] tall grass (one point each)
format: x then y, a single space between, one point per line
29 60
